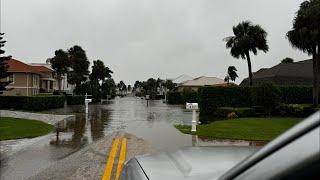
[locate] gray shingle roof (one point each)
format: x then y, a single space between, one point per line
297 73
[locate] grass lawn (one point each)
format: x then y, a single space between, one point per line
14 128
262 129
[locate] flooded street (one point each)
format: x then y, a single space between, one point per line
153 123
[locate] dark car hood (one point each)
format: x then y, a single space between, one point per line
193 162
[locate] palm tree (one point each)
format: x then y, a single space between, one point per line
227 79
247 38
232 73
305 36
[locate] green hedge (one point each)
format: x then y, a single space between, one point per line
295 110
182 97
296 94
210 98
74 100
175 98
31 103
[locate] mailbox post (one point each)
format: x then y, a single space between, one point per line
86 102
147 98
193 107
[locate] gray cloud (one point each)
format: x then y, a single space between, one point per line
138 39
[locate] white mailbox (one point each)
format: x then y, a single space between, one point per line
192 106
147 97
88 100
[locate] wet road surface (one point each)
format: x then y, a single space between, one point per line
153 123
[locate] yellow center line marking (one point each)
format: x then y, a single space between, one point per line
112 155
122 157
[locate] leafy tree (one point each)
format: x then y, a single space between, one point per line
150 87
137 85
247 38
60 64
170 85
79 66
305 36
227 79
98 74
232 73
122 87
108 88
3 66
287 60
99 71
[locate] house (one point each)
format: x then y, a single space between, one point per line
201 81
182 78
297 73
28 80
65 86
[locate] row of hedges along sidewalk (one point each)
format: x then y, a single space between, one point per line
187 95
31 103
211 98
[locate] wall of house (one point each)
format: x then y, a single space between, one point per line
24 84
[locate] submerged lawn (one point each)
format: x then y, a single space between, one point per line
264 129
14 128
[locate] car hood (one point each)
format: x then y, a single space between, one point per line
193 162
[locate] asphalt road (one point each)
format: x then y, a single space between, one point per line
90 162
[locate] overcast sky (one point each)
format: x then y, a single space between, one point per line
139 39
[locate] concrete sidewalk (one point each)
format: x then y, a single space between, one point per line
90 162
47 118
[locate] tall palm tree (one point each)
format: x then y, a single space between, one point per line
232 73
247 38
305 36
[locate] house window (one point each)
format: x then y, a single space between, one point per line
11 78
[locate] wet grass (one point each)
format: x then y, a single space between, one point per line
14 128
262 129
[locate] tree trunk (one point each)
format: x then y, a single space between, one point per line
59 83
249 68
315 77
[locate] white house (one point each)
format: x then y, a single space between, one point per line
201 81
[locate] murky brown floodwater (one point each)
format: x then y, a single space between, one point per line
154 123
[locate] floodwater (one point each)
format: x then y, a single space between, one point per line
154 123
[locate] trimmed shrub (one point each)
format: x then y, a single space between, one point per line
296 110
175 98
210 98
189 95
75 100
266 95
296 94
31 103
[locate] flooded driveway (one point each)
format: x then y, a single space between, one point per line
153 123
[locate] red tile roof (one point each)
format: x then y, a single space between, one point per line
41 69
18 66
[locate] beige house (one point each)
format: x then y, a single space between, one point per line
28 80
201 81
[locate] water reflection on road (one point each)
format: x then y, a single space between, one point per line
153 123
